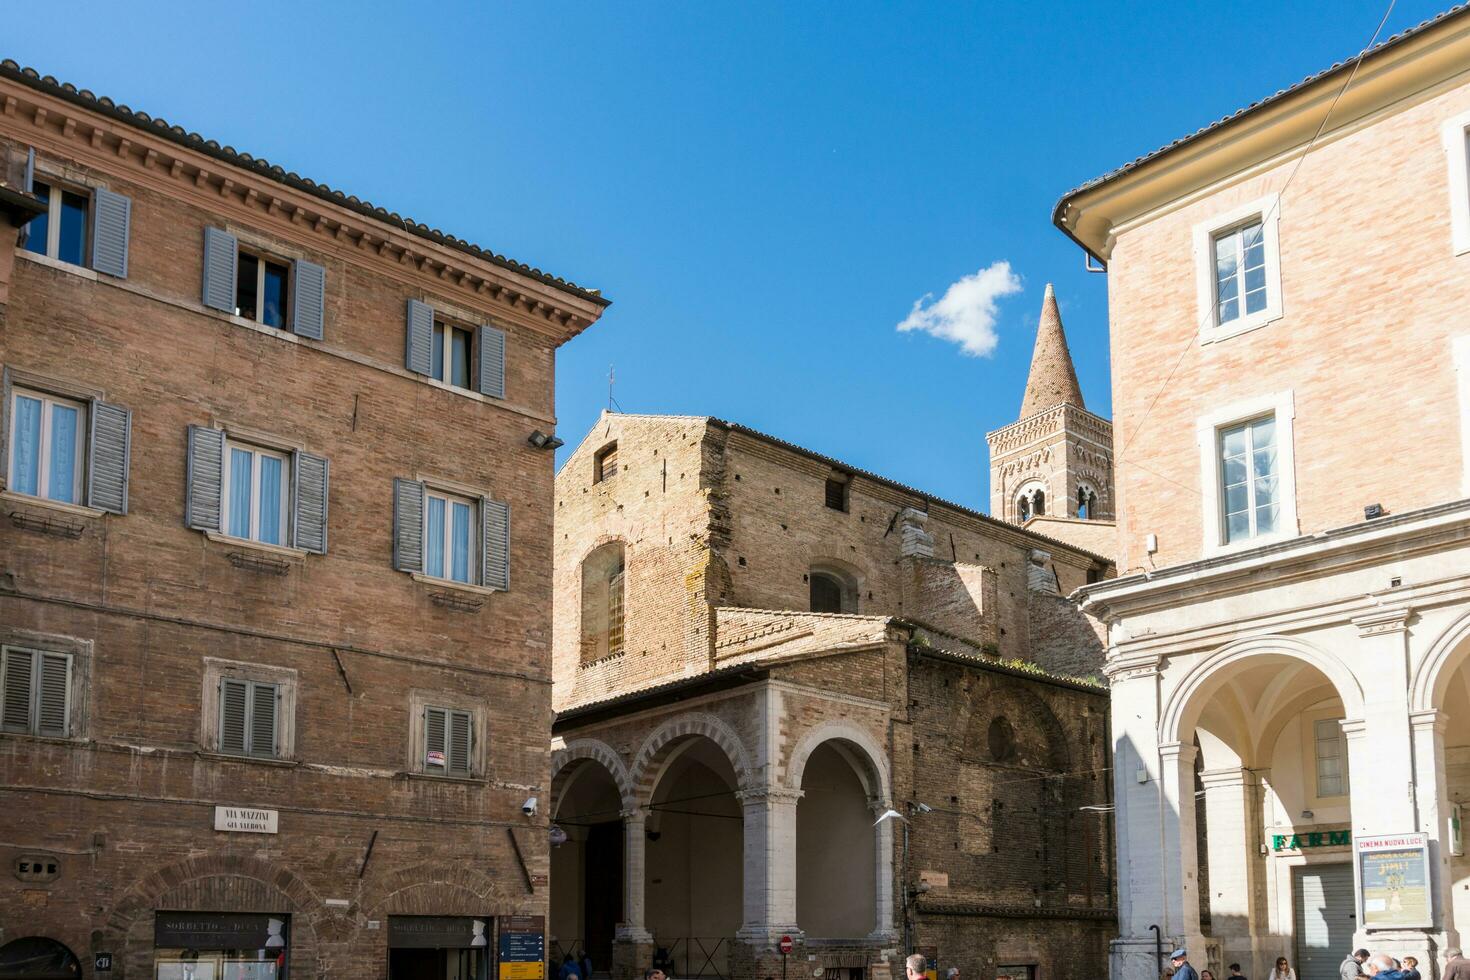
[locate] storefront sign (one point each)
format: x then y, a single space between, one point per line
1309 839
1393 881
244 820
522 947
218 930
436 932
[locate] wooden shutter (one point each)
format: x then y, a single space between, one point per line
495 544
459 743
15 698
436 723
221 263
408 525
308 299
28 184
111 216
490 344
420 337
53 698
309 502
203 500
263 699
109 446
234 708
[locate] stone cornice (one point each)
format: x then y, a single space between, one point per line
1043 424
114 148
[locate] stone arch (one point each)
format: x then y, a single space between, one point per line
592 750
217 883
432 888
874 762
1025 709
848 576
1184 699
646 768
1431 676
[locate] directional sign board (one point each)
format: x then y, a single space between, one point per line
522 947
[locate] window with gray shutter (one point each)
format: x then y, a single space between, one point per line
495 544
309 502
111 216
490 343
448 742
420 337
35 692
308 299
247 718
408 525
205 478
109 446
221 258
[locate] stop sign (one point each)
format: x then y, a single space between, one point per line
785 945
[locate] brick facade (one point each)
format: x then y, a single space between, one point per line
126 802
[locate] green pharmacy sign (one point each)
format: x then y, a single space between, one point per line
1314 838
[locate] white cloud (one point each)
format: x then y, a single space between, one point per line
965 313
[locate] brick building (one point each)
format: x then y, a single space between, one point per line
1290 630
759 651
275 567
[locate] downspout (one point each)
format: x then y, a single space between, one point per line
1158 951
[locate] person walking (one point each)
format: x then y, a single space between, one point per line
1182 970
1456 966
1283 970
1352 965
1235 973
1411 968
914 967
586 964
567 966
1384 967
1207 975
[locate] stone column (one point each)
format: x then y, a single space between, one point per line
1181 847
883 926
1431 797
770 864
635 838
1234 863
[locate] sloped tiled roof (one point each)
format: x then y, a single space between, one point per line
1339 66
177 134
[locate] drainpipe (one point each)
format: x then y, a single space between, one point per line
1158 951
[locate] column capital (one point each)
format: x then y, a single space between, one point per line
1121 666
1236 776
636 813
1382 621
768 794
1354 728
1179 751
1429 719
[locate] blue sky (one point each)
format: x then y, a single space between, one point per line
764 190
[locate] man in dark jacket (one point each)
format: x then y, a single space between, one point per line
1352 967
1384 967
1182 969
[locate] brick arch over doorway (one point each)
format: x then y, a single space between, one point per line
648 763
215 883
594 750
440 889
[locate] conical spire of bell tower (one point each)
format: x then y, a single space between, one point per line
1053 380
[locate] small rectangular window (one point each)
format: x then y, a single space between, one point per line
261 289
248 718
61 232
257 486
48 439
35 692
449 537
1331 752
837 494
448 741
605 463
452 346
1240 272
1249 479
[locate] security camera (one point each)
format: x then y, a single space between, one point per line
529 807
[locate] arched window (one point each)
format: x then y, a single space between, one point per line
1086 501
1030 501
602 602
833 590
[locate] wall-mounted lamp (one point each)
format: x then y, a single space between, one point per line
541 440
1373 511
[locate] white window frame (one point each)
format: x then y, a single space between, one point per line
53 219
228 465
1340 739
43 477
285 679
261 258
450 498
1282 406
1268 210
447 349
1455 134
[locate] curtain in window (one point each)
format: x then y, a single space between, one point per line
434 539
270 500
461 543
63 454
27 476
241 463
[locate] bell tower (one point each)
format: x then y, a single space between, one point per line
1057 459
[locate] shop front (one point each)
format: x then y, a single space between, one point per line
439 947
221 946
